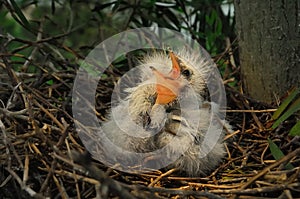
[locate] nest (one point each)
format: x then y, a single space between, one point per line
41 155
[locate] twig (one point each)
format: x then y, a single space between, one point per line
23 186
49 175
35 49
60 188
98 174
274 188
26 169
267 169
249 111
13 77
49 114
8 146
64 133
161 176
5 181
9 101
182 193
5 140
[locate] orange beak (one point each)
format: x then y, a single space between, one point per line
168 86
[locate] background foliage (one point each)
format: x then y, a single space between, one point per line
82 24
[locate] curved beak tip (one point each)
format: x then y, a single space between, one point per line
167 86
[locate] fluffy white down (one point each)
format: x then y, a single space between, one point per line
181 129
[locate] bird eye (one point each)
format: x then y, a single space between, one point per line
186 73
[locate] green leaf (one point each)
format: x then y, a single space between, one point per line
295 130
50 82
116 6
104 76
275 150
293 108
20 13
285 103
91 68
277 153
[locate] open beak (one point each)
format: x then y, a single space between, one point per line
168 86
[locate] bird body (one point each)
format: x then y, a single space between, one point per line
165 115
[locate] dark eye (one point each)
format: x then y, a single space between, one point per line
186 73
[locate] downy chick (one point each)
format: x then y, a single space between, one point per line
164 118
